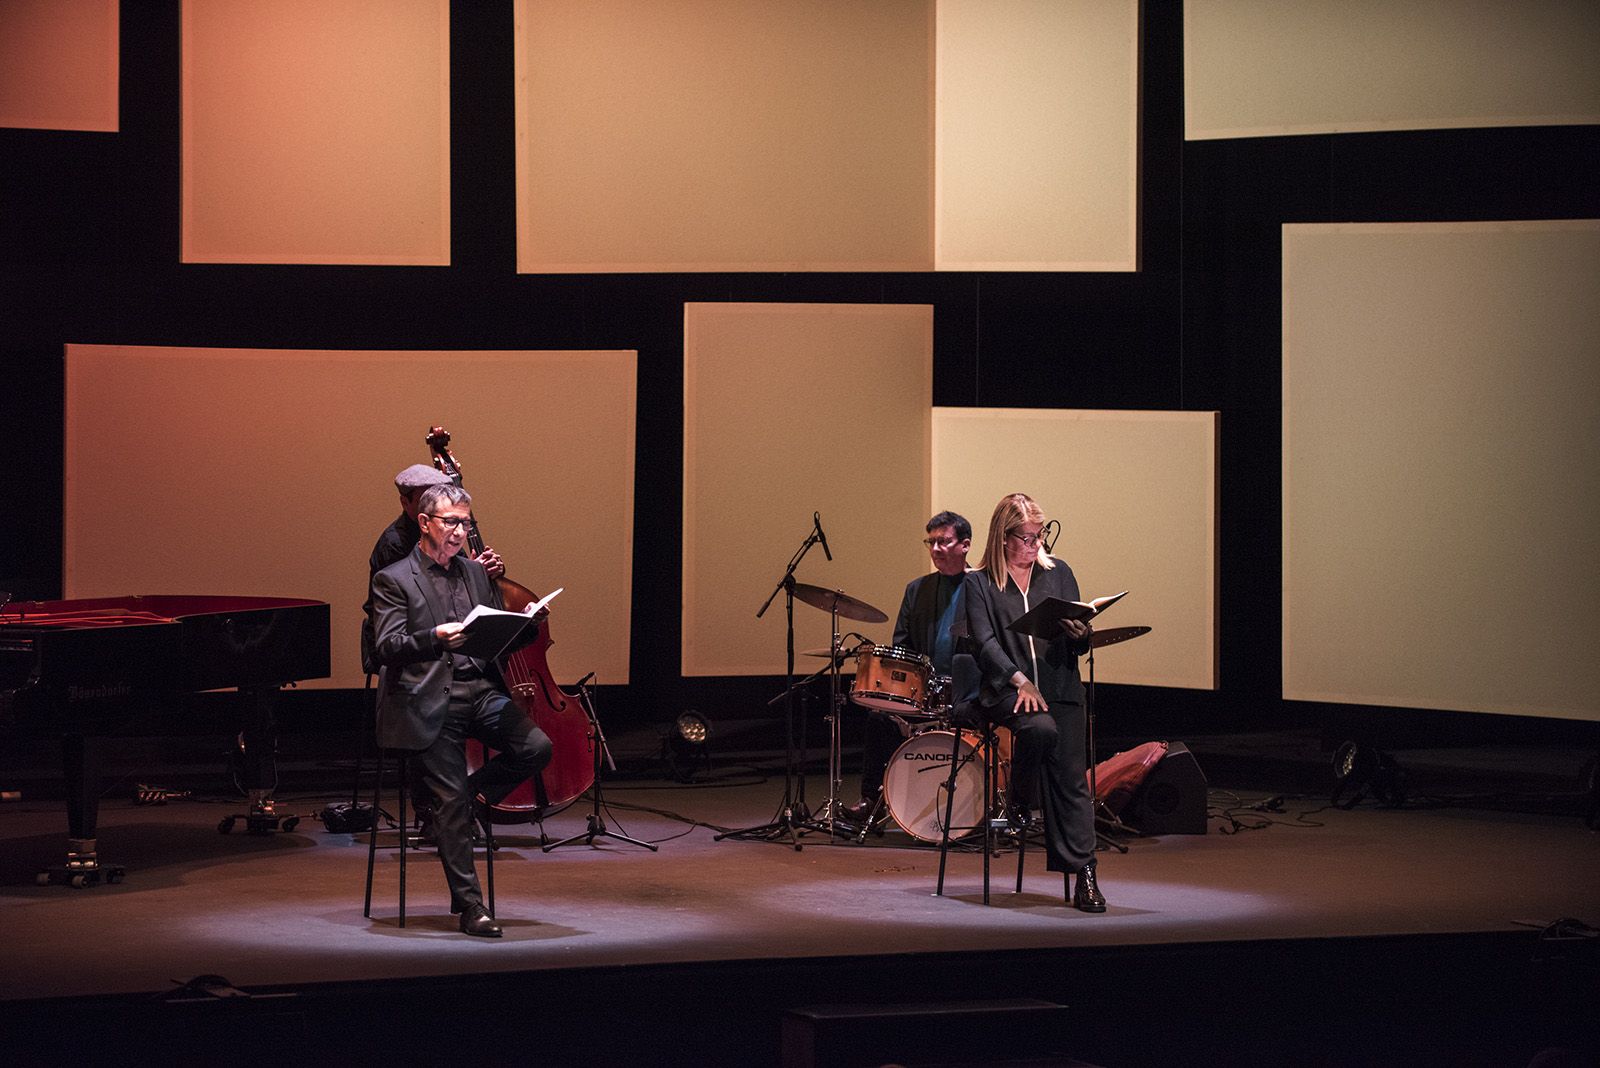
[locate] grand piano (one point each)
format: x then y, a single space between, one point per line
79 668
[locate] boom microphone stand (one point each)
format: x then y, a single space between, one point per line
793 812
596 822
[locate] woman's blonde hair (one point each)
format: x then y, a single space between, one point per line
1013 510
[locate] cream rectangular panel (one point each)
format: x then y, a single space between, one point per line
316 131
791 409
1136 494
1038 123
1257 68
1441 466
59 62
270 472
708 135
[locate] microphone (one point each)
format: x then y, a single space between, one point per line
1051 536
816 521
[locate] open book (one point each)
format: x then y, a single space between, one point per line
1043 620
493 632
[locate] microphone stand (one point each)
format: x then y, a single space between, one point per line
793 813
1103 815
596 824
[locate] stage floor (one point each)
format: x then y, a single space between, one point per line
285 911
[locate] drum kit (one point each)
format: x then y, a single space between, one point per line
902 683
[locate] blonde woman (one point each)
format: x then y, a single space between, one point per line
1031 687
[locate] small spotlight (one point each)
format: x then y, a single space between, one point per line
686 748
1359 772
693 728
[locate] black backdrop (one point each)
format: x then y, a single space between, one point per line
89 254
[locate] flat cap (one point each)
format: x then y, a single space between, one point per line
418 476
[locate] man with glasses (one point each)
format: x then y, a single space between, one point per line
930 613
432 698
400 537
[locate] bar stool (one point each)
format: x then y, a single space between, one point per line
969 716
403 761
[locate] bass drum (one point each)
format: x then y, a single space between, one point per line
914 782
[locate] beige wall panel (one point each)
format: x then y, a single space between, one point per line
59 62
270 472
1257 68
1441 466
1038 121
1136 494
791 409
705 135
316 131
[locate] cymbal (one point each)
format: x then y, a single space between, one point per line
846 658
1113 635
848 606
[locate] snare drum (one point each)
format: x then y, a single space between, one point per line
892 679
914 782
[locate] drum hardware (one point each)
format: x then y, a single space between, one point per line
596 824
793 814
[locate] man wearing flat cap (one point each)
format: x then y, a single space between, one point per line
400 537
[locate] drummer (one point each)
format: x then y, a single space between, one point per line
929 610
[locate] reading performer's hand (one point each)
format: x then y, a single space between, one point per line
1076 629
450 634
1029 699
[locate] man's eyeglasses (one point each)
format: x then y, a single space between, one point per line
449 522
1028 540
941 543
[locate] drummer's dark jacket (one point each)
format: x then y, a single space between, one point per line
414 667
915 628
1002 653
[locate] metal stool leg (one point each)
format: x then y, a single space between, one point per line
372 834
405 833
949 809
488 854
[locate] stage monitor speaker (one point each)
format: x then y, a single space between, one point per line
1172 798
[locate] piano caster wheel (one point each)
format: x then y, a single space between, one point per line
43 878
78 882
226 825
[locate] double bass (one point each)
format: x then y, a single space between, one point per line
533 690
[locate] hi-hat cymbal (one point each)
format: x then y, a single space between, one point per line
1113 635
848 606
845 657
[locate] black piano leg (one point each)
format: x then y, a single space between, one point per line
83 867
258 768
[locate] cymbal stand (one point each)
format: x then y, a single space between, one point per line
792 810
1103 816
596 823
827 818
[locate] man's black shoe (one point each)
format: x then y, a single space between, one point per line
475 920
